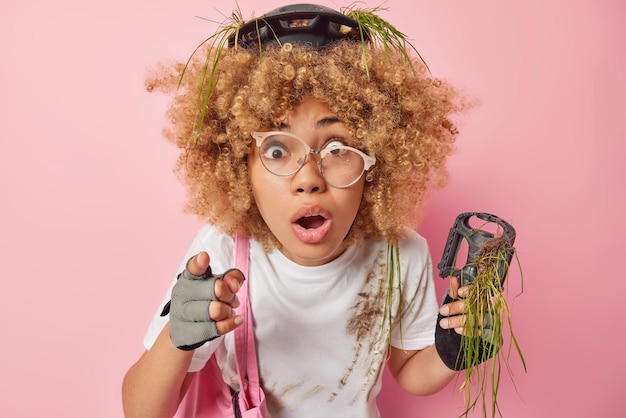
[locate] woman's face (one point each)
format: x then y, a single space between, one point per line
309 218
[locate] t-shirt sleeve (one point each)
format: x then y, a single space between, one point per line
219 247
416 329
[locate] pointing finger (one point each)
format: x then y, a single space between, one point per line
198 264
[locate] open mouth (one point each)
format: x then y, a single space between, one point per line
311 222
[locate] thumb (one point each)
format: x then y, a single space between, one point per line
198 264
453 290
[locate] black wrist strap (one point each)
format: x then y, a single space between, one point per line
448 343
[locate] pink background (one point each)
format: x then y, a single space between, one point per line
91 220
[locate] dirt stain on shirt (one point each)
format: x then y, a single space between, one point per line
370 328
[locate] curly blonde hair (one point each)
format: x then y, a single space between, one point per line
395 110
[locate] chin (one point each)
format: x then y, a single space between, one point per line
313 254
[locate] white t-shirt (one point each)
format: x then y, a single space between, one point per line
322 332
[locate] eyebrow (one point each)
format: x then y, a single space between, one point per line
322 123
326 122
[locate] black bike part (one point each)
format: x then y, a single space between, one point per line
309 24
476 238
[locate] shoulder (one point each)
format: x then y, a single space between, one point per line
210 234
217 244
412 245
414 255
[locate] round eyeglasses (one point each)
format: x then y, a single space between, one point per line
283 154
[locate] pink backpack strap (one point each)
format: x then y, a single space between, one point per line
247 365
242 254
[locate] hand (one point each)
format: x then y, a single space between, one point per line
450 331
452 308
202 305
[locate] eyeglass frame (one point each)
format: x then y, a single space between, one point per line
368 161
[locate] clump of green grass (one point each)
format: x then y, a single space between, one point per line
216 45
381 33
486 312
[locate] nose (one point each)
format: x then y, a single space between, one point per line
309 178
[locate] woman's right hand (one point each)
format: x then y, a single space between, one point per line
203 305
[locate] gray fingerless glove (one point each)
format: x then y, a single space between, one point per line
448 344
190 323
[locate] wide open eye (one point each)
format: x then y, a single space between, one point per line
342 165
338 143
274 149
282 154
339 146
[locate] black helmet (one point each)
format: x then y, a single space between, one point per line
298 23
